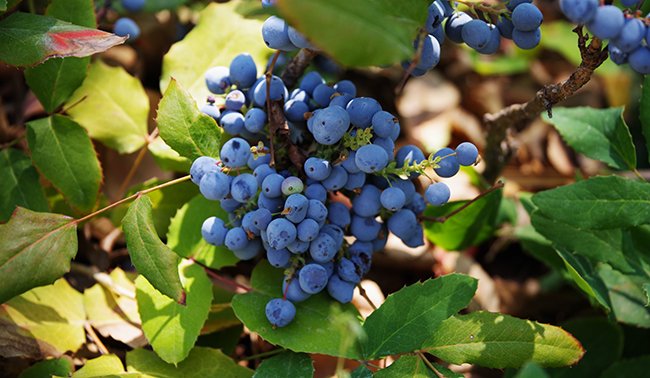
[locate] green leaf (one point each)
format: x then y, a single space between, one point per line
47 368
184 236
30 39
36 250
54 81
597 133
380 32
321 325
19 184
361 372
219 25
171 328
644 108
632 368
391 330
540 247
64 154
602 341
532 370
598 203
500 341
3 5
406 366
201 363
471 226
167 158
184 128
150 256
113 106
107 365
287 364
54 314
628 299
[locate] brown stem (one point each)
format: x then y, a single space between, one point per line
297 66
268 76
363 293
226 281
93 336
137 162
445 218
414 62
429 364
279 128
497 152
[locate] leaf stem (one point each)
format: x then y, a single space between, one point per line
363 293
445 218
130 198
227 281
138 161
264 354
429 364
95 339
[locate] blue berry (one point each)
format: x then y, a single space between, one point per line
317 211
211 110
317 192
455 24
448 165
277 91
313 278
272 185
607 22
384 124
281 233
340 290
292 185
308 230
329 125
255 120
236 238
295 110
579 11
217 79
367 203
243 187
639 60
279 258
393 199
232 122
323 248
403 224
215 185
295 208
631 35
243 71
348 271
364 229
527 40
280 312
361 111
338 214
322 95
437 194
466 154
526 17
409 155
310 81
133 5
292 290
298 39
261 172
235 153
346 87
126 27
200 166
337 179
317 168
275 33
371 158
214 231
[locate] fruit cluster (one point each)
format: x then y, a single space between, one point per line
628 34
518 20
323 221
125 26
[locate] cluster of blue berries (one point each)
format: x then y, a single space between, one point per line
279 35
628 34
322 222
125 26
518 20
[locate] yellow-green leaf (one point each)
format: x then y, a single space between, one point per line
113 106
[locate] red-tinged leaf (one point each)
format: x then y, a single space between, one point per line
29 39
35 250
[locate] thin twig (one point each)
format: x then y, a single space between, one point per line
445 218
363 293
262 355
95 339
497 152
224 280
429 364
268 76
297 66
137 162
